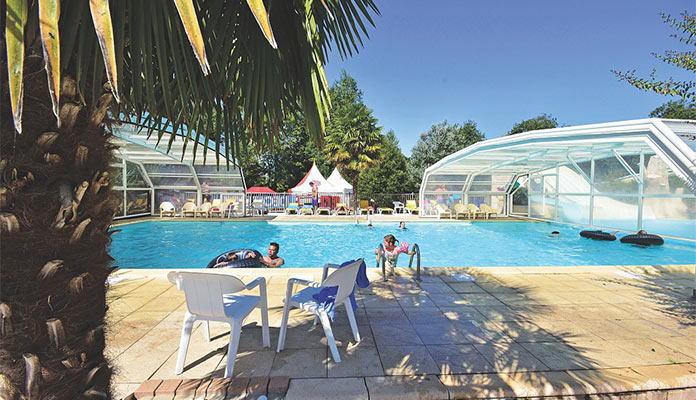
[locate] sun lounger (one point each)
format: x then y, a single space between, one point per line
412 207
398 207
443 211
203 210
474 211
366 208
341 209
188 210
293 208
323 211
307 209
488 211
460 209
216 208
382 210
167 209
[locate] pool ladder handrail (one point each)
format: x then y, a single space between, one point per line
383 259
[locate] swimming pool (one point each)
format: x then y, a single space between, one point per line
190 244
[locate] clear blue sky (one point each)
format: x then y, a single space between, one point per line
499 62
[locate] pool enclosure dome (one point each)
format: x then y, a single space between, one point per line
147 173
626 175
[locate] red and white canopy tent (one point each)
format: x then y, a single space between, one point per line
260 189
314 176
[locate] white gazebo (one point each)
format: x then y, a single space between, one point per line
338 182
314 176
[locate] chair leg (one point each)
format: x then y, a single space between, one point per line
351 319
189 319
235 332
206 330
283 327
264 322
324 318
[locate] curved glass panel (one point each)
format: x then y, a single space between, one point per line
659 179
134 178
137 202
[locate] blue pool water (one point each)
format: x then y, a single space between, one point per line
184 244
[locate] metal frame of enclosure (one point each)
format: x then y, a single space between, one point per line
146 173
627 175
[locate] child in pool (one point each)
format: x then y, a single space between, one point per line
391 252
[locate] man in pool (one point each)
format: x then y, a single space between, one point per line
273 260
402 225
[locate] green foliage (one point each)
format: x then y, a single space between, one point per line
439 141
676 110
286 164
390 176
353 140
686 34
541 122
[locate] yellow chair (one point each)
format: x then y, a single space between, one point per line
474 211
188 210
366 207
203 210
412 207
341 209
216 208
488 211
460 209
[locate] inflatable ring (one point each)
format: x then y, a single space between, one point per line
643 239
598 235
241 261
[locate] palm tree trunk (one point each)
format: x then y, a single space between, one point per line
355 192
55 212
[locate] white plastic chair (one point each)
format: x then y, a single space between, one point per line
166 208
398 207
212 297
344 278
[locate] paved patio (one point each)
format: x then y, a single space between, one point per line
514 332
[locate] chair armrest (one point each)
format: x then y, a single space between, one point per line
325 272
256 282
293 281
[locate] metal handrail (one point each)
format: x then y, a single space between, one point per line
416 252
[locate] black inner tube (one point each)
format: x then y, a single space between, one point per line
643 239
240 262
598 235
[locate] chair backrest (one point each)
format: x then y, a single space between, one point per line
441 208
411 204
364 204
485 208
340 205
188 206
472 207
344 278
258 203
397 204
217 203
206 207
204 291
459 208
166 206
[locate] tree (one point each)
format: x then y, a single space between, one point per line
439 141
686 33
541 122
388 176
56 205
675 110
353 138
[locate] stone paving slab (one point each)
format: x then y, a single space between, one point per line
327 389
512 332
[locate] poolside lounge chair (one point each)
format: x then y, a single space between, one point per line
442 210
382 210
293 208
213 297
307 209
203 210
257 207
341 209
398 207
474 211
304 299
488 211
460 209
412 207
188 210
323 211
366 207
216 208
167 209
